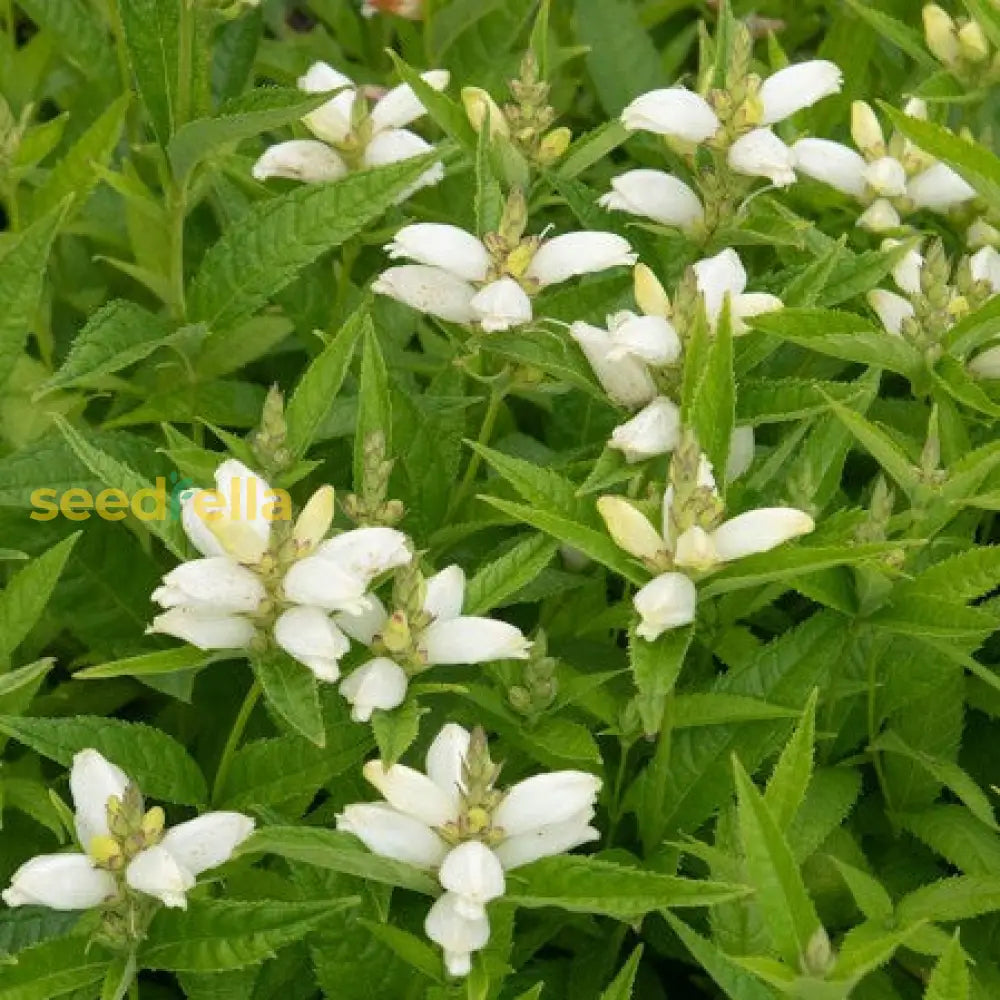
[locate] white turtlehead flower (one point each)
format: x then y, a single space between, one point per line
656 195
939 189
832 163
449 638
797 87
654 430
880 217
985 266
163 864
724 276
761 153
341 143
623 374
670 599
424 814
986 364
454 276
675 112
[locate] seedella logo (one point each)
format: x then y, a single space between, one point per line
163 501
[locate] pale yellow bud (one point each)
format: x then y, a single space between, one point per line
152 825
238 539
315 520
941 34
650 295
478 106
106 851
630 529
554 145
974 44
396 636
866 130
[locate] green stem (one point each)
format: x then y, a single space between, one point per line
235 735
485 433
178 214
185 62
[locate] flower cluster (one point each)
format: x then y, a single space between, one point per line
352 133
125 849
453 820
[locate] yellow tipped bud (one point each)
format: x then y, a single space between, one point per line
479 819
554 145
973 42
479 106
396 636
958 307
519 259
238 539
315 520
630 528
941 34
152 824
866 130
650 295
106 851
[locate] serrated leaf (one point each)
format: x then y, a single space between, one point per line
374 403
292 691
955 834
506 575
960 898
217 935
655 669
24 599
622 985
337 852
156 762
52 969
396 731
163 661
267 247
151 31
587 885
78 30
950 978
900 34
786 788
24 926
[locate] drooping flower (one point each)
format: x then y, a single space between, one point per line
890 179
253 583
350 135
723 276
454 821
489 283
656 195
411 639
694 538
124 845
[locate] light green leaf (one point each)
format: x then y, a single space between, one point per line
951 899
292 691
163 661
622 985
396 731
950 978
151 37
506 575
374 403
787 785
52 969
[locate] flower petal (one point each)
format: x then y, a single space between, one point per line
392 834
60 882
202 628
92 781
308 634
448 247
428 290
892 309
673 111
799 86
630 528
218 583
985 265
751 304
378 684
446 757
474 873
320 583
656 195
400 106
741 452
626 379
651 338
156 872
545 841
694 549
986 364
365 621
500 305
886 177
880 217
471 640
545 799
667 602
939 188
571 254
398 145
457 934
306 160
208 840
761 153
759 531
413 793
653 431
718 277
331 121
367 552
831 163
445 593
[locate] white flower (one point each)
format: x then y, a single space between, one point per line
668 601
160 864
880 217
939 189
986 364
381 135
799 86
624 376
378 684
724 275
204 629
654 430
656 195
540 816
309 635
675 112
832 163
892 309
761 153
907 272
985 266
452 277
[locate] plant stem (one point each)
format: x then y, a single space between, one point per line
235 735
185 62
485 433
178 213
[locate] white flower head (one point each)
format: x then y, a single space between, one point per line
723 276
452 820
124 844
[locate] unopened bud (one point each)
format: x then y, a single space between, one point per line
973 42
941 35
515 217
981 234
650 295
479 106
152 825
866 130
554 145
818 959
106 852
396 636
315 520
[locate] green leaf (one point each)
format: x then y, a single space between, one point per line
18 687
318 387
408 947
970 159
693 710
447 113
76 173
216 935
271 771
786 788
267 247
117 475
25 926
655 669
506 575
259 111
710 407
872 899
950 978
785 906
151 37
292 691
24 599
374 403
79 31
955 834
396 731
52 969
622 985
163 661
489 195
960 898
156 762
22 274
339 852
118 335
586 885
900 34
